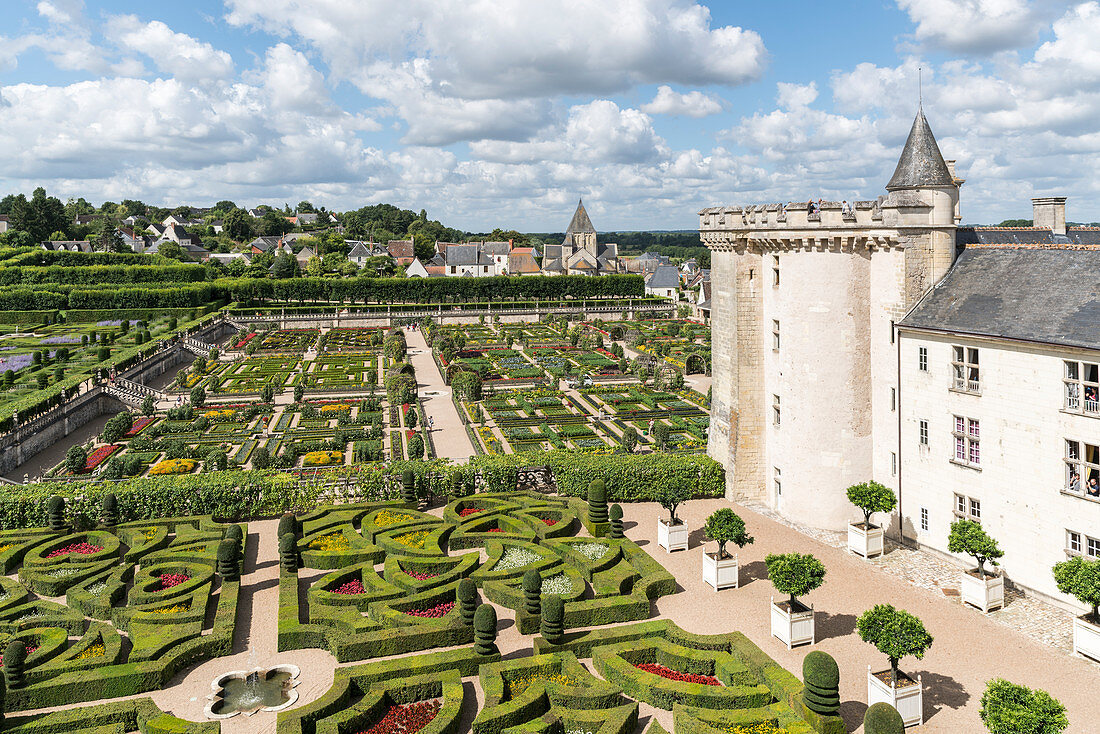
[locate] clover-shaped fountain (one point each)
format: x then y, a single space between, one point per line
250 691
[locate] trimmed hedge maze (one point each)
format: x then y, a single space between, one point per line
142 601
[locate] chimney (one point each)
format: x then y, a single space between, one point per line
1049 212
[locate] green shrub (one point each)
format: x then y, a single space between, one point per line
795 574
615 514
288 553
408 486
109 515
968 536
1080 578
871 497
288 524
821 675
726 526
15 655
597 502
56 511
467 600
895 632
671 496
882 718
229 561
485 630
1008 708
532 592
553 616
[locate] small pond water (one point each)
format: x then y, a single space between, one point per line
253 693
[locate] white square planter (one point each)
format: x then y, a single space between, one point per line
672 537
1086 638
986 594
866 542
721 574
907 699
794 627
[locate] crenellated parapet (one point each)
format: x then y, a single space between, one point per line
803 215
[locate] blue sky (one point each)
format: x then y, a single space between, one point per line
502 112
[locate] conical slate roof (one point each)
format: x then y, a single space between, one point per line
921 163
580 221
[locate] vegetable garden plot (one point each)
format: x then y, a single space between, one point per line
250 375
538 420
342 372
364 339
289 340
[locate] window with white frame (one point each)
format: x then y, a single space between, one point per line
922 359
924 519
1082 387
967 435
964 365
775 335
775 270
1082 468
968 508
775 410
1073 542
923 432
893 464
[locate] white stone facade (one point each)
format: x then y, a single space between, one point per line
1021 480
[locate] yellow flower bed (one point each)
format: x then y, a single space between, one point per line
220 415
5 547
173 466
760 727
92 651
331 543
336 409
519 685
173 609
385 517
414 539
323 458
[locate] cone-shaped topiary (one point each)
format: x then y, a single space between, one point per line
532 592
485 630
108 511
597 501
553 616
615 514
822 677
467 600
229 560
288 524
56 509
408 486
882 718
288 553
15 655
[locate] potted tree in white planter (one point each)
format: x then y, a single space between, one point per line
720 569
672 535
978 589
1081 578
896 634
794 574
864 538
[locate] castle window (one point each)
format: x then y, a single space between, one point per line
775 410
775 270
778 481
893 398
922 359
1082 469
964 363
1073 543
924 433
968 508
1082 380
924 519
775 335
967 436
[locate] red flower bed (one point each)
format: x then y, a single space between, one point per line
421 576
406 718
139 425
409 433
84 549
245 341
469 511
100 455
434 612
549 521
168 580
707 680
351 587
495 530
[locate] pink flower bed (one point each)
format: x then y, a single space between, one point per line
139 425
469 511
168 580
421 576
245 341
707 680
351 587
100 455
83 549
434 612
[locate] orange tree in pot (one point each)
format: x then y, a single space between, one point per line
726 526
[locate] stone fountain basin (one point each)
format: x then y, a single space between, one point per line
217 687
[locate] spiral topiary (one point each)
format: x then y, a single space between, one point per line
108 511
553 618
408 486
467 600
822 677
15 655
229 560
597 502
532 592
56 510
882 718
485 630
288 524
616 516
288 553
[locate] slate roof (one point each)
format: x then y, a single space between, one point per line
665 276
975 236
498 249
921 163
551 266
580 222
360 250
462 255
1041 294
265 243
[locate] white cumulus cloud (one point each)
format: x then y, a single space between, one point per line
973 26
691 104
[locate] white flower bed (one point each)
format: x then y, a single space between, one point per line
62 573
591 551
561 585
97 588
514 558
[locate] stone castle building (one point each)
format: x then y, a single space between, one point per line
803 305
580 253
